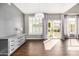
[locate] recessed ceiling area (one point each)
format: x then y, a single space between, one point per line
29 8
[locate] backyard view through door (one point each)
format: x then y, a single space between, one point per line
54 29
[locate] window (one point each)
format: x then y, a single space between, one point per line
35 26
71 25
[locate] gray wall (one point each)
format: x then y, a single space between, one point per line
10 18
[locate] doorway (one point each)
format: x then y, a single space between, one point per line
54 29
71 27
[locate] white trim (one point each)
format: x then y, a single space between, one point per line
34 38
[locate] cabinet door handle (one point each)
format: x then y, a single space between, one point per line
12 45
12 41
12 49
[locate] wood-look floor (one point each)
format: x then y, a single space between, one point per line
36 48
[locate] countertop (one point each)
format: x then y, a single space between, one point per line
12 36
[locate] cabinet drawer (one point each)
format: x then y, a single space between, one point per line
12 40
12 50
12 45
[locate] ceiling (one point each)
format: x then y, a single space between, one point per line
74 9
29 8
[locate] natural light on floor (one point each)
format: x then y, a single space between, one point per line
73 44
50 43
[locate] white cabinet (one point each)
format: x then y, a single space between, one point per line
14 43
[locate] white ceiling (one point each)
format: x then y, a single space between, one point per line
29 8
